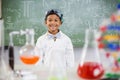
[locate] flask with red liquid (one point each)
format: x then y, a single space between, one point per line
28 54
90 66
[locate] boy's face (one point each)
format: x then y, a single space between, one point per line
53 23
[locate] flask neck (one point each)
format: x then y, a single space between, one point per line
90 49
29 39
90 37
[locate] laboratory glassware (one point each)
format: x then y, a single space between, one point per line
28 53
90 66
5 71
11 48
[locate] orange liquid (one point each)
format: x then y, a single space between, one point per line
87 70
29 59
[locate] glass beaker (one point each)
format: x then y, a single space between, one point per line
90 66
28 54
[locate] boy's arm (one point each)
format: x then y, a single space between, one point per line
69 55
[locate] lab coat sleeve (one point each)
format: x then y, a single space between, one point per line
39 50
69 55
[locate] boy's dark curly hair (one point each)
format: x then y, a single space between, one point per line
56 12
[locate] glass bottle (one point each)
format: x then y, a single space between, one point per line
90 66
2 62
5 72
28 55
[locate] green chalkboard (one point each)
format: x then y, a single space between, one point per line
78 15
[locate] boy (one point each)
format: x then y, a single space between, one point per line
55 47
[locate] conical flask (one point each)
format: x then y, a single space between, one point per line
90 66
28 54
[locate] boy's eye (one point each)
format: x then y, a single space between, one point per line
56 20
50 20
53 20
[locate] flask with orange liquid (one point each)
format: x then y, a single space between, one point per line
28 55
90 67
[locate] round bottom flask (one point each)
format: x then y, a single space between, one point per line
28 55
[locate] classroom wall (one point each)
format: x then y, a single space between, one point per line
78 15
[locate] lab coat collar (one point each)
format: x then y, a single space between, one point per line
51 36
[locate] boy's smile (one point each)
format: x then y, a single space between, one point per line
53 23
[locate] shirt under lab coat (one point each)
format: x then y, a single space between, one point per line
56 50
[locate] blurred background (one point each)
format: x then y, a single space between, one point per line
78 15
17 17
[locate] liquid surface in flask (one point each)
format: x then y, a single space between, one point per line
29 59
29 56
90 70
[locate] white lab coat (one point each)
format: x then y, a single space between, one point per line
58 52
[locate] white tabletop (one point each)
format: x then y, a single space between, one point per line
42 73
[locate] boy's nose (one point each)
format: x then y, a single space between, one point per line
53 22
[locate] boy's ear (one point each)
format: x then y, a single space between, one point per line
45 22
61 22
